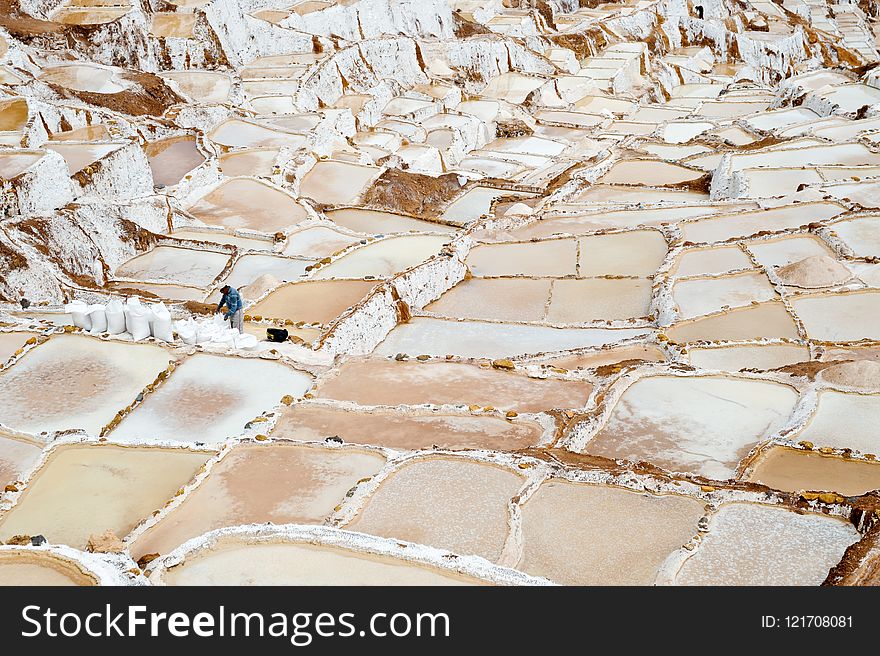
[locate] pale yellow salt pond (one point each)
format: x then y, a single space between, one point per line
297 485
845 421
17 456
27 567
793 470
219 237
700 296
337 183
750 322
202 86
839 317
635 253
388 382
406 431
553 257
174 25
14 114
76 382
699 424
504 299
258 162
595 299
171 159
317 242
710 261
85 489
749 544
175 265
235 562
861 234
383 258
376 221
247 203
448 503
737 358
605 535
313 301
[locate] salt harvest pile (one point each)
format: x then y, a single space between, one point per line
573 292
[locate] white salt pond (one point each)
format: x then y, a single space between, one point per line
845 421
247 203
383 258
27 567
209 398
839 317
176 265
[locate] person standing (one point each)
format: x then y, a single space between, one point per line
232 300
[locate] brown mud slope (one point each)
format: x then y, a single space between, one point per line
415 194
860 564
151 96
21 25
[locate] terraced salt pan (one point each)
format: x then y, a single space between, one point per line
248 268
608 193
85 489
76 382
862 235
202 86
406 431
16 457
11 342
28 567
578 225
384 258
748 544
376 221
209 398
605 536
246 203
636 253
171 159
297 485
258 162
845 421
594 299
177 265
337 183
476 202
317 242
504 299
302 564
79 155
839 317
159 291
613 356
235 133
555 257
312 301
737 358
721 228
85 77
17 162
792 470
704 425
650 173
779 252
751 322
216 237
448 503
473 339
709 261
700 296
388 382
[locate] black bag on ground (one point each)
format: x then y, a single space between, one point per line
276 334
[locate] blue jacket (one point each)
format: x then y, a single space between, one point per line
232 301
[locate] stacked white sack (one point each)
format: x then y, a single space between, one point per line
115 318
214 331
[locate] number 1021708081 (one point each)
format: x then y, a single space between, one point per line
807 622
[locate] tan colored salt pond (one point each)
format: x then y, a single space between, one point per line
313 301
337 183
448 503
16 457
647 172
295 484
218 237
209 398
839 317
177 265
202 86
594 299
97 132
745 224
237 563
554 257
83 76
247 203
505 299
246 134
748 544
700 296
11 342
752 322
701 424
595 535
388 382
176 25
76 382
26 567
708 261
258 162
317 242
86 489
779 252
14 114
636 253
170 159
613 356
384 258
845 421
407 431
736 358
793 470
80 155
17 162
377 221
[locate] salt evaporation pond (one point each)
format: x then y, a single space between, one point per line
750 322
178 265
606 536
235 563
297 485
388 382
700 296
317 242
448 503
376 221
40 568
247 203
248 268
171 159
839 317
406 431
16 457
76 382
203 402
337 183
736 358
383 258
699 424
82 490
793 470
845 421
11 342
748 544
312 301
474 339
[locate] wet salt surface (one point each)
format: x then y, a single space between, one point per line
21 568
795 471
845 421
704 425
749 544
16 458
255 484
83 490
448 503
209 398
